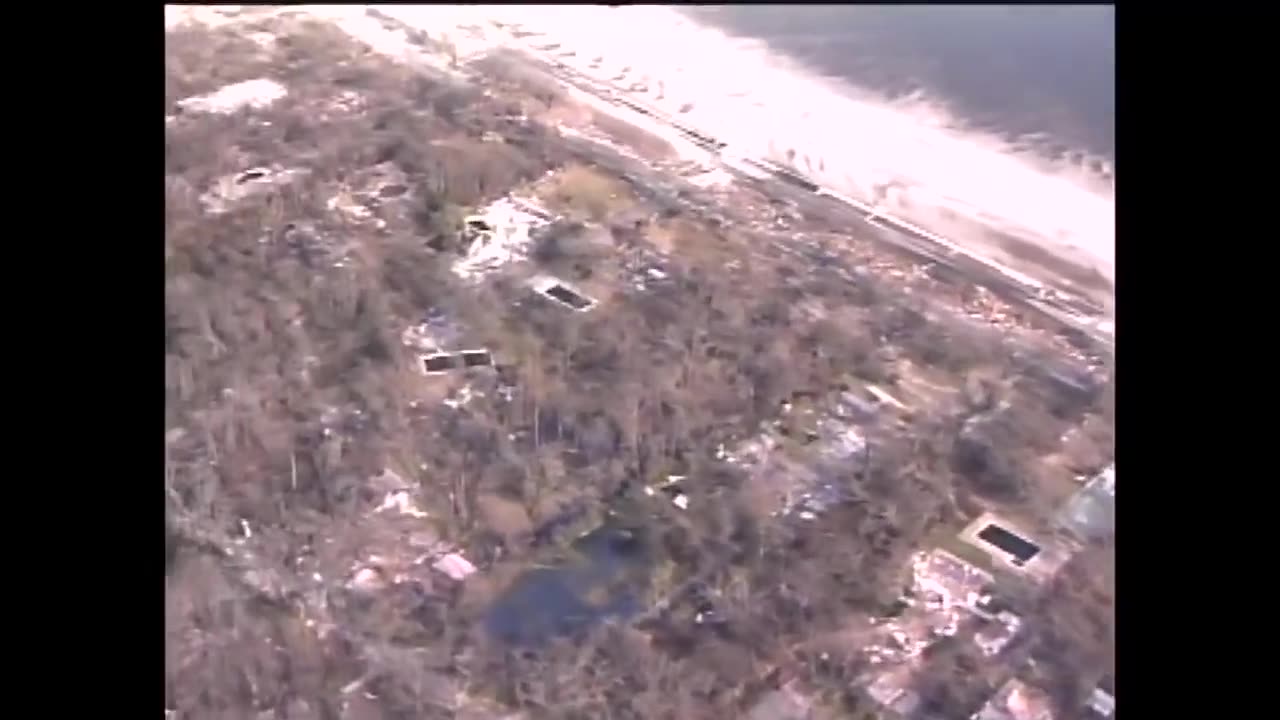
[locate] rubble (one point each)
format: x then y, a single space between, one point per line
498 235
461 397
943 593
250 94
891 689
400 502
991 640
230 190
455 566
432 334
349 206
367 579
1102 703
1016 701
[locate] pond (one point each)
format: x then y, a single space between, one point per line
603 578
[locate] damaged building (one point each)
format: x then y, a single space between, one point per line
230 191
499 234
1017 700
948 597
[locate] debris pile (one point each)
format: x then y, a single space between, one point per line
500 234
435 331
310 245
944 592
642 268
229 191
1002 628
671 489
1017 701
1102 703
455 566
461 397
250 94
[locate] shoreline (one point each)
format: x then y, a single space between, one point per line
913 165
921 193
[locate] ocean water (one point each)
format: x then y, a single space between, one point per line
1038 76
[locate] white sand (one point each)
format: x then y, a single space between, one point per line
258 93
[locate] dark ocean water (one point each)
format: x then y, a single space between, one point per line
1031 70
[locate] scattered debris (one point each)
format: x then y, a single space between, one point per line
389 481
1017 701
991 640
1102 703
263 40
884 397
367 579
231 190
944 592
455 566
643 268
434 332
345 203
254 94
499 235
346 102
891 690
461 397
715 177
402 503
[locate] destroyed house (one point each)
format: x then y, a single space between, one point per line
1017 701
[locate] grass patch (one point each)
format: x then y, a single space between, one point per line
586 193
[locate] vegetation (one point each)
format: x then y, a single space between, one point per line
292 406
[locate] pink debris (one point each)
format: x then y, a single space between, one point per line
455 566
